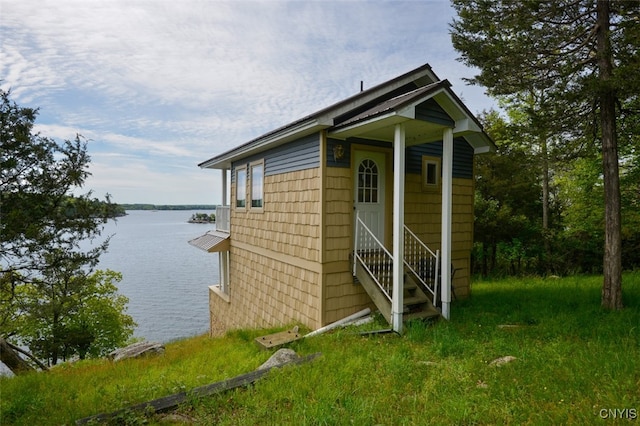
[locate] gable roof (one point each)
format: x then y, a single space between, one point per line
394 104
377 122
388 96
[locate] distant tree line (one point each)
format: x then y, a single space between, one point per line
167 207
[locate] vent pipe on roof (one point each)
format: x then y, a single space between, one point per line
361 85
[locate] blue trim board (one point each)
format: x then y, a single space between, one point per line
462 155
429 110
304 153
301 154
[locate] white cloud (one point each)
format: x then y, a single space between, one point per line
185 80
138 182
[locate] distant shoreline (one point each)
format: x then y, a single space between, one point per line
168 206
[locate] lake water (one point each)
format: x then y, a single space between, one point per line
165 278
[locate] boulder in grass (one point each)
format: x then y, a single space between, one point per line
137 350
282 356
499 362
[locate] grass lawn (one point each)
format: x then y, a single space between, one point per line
575 364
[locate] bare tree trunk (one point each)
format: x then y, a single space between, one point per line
545 202
494 256
612 285
11 359
485 255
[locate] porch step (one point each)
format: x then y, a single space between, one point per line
424 314
415 300
416 303
413 293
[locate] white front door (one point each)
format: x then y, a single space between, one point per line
369 190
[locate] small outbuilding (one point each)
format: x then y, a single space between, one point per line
365 203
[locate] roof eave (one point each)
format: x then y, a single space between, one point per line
404 109
388 118
467 124
286 134
419 74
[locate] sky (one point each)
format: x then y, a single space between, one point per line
158 86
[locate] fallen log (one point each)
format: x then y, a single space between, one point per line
9 356
170 402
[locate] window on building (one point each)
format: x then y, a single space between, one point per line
368 181
241 187
430 173
257 184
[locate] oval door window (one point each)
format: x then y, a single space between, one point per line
368 181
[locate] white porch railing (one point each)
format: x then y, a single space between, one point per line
374 257
223 216
422 262
419 259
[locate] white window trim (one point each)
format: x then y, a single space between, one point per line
246 199
250 186
426 162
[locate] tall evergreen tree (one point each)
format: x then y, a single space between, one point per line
43 219
508 222
582 57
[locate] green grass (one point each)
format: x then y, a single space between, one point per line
573 360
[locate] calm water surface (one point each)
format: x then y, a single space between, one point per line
165 278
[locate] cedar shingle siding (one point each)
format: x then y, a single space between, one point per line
276 272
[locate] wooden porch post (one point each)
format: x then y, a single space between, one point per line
223 256
224 186
447 191
397 302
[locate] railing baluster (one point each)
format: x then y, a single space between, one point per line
421 261
377 260
372 255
